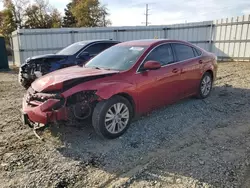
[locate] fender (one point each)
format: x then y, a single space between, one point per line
105 89
112 88
60 64
55 66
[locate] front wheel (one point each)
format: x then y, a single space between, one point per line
205 87
111 118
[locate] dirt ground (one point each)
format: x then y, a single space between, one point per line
194 143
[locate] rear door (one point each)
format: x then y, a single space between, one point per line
190 62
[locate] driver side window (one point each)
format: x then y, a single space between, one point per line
163 54
96 48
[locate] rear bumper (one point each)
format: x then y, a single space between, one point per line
32 115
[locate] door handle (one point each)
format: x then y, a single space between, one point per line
200 61
175 70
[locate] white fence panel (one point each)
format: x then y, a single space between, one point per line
228 38
136 33
81 34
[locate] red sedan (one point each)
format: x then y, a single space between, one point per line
128 79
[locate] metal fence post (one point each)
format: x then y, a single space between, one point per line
211 37
116 35
247 37
236 30
12 50
20 51
165 30
72 33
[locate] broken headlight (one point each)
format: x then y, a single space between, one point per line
49 101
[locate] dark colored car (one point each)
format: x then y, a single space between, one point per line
75 54
126 80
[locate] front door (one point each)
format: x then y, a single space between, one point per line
159 87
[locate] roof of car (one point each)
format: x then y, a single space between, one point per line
100 40
148 42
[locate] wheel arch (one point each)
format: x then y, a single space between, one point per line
129 98
210 72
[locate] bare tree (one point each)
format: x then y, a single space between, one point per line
42 15
18 8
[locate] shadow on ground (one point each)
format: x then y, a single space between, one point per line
12 70
194 140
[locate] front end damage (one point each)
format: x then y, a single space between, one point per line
41 109
64 96
28 72
36 67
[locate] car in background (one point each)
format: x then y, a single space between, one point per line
124 81
75 54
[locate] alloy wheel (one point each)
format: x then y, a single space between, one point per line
117 118
206 85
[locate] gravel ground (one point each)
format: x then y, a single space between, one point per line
194 143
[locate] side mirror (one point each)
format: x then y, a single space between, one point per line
152 65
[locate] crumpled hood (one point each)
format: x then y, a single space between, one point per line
46 56
66 74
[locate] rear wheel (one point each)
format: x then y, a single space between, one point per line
205 85
111 118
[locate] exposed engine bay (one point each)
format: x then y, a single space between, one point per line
81 105
29 72
36 68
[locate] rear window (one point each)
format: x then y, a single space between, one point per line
183 52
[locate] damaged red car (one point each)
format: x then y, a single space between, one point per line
124 81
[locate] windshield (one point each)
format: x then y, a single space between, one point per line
117 58
71 49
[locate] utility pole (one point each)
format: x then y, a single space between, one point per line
146 14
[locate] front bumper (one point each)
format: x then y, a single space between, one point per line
20 76
26 76
23 78
25 119
33 114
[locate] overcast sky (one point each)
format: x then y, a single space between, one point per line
162 12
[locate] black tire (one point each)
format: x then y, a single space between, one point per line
99 114
202 95
26 84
